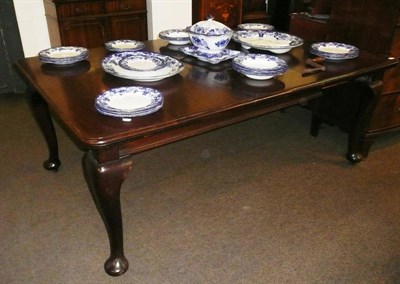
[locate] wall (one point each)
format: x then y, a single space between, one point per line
163 14
168 14
32 26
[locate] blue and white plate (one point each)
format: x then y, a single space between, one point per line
63 55
211 57
111 65
255 27
175 36
275 42
142 62
129 101
334 50
124 45
259 66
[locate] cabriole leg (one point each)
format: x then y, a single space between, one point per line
42 115
105 182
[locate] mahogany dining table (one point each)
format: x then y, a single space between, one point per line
201 98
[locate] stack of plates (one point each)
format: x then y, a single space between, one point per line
141 66
275 42
259 66
129 101
124 45
63 55
334 50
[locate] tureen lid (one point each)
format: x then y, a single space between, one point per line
210 27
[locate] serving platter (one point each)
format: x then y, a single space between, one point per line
275 42
111 65
211 57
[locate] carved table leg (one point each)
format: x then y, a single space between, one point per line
42 115
105 182
358 144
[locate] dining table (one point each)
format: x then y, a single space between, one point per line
200 98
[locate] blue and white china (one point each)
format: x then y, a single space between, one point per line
334 50
214 57
259 66
129 101
275 42
210 35
63 55
111 65
142 62
124 45
255 27
175 36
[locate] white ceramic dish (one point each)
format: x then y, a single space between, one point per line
259 66
175 36
213 57
210 35
124 45
129 101
334 50
111 65
275 42
142 62
255 26
63 55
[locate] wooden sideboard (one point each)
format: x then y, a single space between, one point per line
91 23
230 12
372 26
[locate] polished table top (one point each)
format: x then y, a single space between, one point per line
200 91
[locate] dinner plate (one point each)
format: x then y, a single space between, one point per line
63 55
112 66
275 42
213 57
255 26
124 45
334 50
130 101
142 62
175 36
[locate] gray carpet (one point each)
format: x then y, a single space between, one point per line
258 202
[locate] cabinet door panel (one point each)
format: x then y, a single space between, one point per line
86 33
77 9
125 6
129 27
387 112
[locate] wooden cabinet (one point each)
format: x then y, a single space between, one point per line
230 12
255 11
90 23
